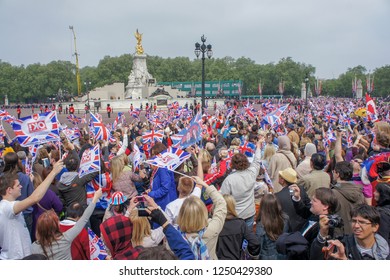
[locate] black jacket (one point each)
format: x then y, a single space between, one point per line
231 237
284 197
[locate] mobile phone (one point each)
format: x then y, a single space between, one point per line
46 162
142 212
140 198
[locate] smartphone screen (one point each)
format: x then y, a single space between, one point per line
46 162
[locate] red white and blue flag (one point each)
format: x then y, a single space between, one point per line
135 113
152 136
5 116
104 182
371 109
97 250
37 129
171 158
90 161
119 120
73 119
174 105
136 156
248 148
98 129
274 117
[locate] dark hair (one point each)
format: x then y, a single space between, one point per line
6 181
328 198
240 162
157 148
366 212
72 163
345 170
384 194
12 163
74 210
318 161
157 253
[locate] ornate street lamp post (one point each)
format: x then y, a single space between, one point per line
307 88
203 49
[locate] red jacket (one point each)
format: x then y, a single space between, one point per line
80 245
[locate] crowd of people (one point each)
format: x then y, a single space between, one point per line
312 184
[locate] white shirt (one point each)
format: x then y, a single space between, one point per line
173 208
15 241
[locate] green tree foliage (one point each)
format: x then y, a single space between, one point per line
37 83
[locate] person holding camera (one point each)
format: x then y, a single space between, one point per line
363 244
323 202
288 178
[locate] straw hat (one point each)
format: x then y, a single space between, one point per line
233 131
289 175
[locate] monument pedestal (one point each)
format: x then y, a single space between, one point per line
139 78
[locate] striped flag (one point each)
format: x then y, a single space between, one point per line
97 249
171 158
90 161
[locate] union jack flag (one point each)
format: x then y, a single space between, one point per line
152 136
73 119
33 152
248 149
119 119
330 117
104 182
176 139
274 117
2 133
329 137
70 134
90 161
97 249
98 129
266 175
174 105
5 116
136 157
135 113
37 129
171 158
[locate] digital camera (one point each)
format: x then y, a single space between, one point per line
335 221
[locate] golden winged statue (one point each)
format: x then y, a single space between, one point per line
139 49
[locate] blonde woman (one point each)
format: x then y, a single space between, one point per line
200 232
234 232
269 151
143 235
123 181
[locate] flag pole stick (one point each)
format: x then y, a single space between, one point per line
172 171
181 174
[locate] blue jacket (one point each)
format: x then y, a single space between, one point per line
27 190
178 245
163 188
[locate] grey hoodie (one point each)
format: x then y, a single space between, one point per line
349 195
72 188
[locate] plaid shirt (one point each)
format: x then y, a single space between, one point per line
116 232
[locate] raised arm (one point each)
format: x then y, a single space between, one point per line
40 191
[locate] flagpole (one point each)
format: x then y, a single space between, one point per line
181 174
59 148
172 171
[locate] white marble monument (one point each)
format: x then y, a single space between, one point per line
139 78
359 89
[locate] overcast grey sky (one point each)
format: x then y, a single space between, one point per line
331 35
